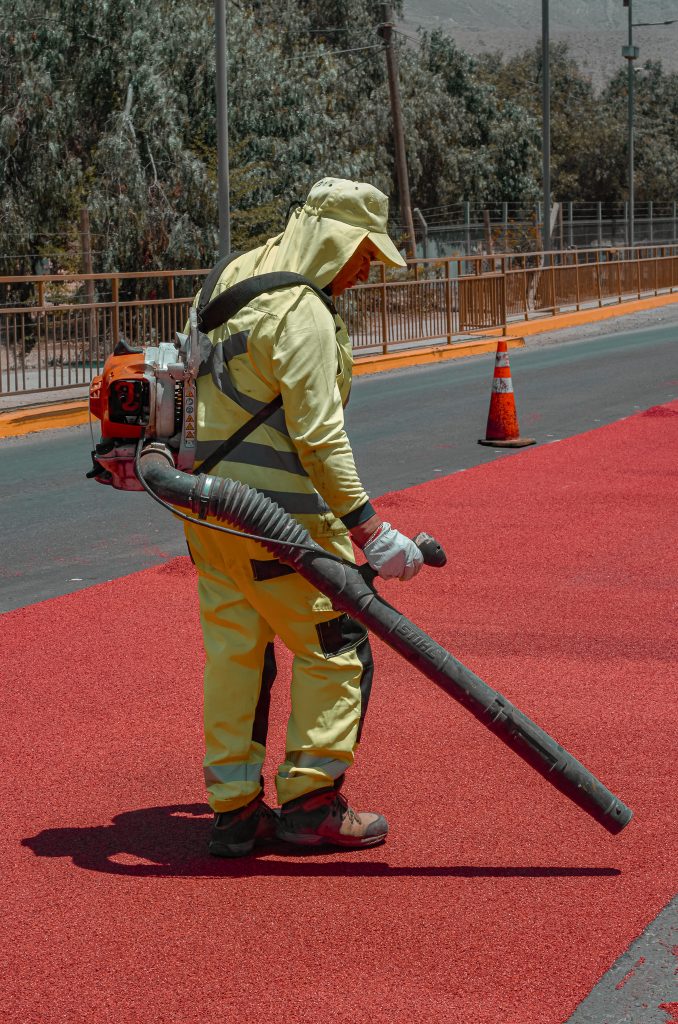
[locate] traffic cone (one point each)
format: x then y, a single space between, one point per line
502 422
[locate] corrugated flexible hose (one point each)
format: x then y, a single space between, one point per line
350 590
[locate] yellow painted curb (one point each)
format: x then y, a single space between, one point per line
43 417
589 316
72 414
436 353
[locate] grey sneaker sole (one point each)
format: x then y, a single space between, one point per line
220 846
217 849
349 842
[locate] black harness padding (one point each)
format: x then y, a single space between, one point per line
234 440
226 305
212 313
212 279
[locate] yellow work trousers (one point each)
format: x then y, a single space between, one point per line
245 602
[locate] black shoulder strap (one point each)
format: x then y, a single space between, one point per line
231 301
234 440
210 282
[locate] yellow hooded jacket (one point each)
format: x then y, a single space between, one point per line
287 342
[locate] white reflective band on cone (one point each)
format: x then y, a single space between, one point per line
502 359
502 385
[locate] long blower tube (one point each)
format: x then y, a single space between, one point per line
243 507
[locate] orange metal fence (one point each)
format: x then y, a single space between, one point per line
401 309
56 331
577 279
52 338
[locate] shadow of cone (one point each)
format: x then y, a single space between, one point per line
502 421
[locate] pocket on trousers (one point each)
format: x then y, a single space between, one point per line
337 636
269 569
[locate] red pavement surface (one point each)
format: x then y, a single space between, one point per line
495 899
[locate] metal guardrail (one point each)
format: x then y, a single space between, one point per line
576 279
399 309
56 331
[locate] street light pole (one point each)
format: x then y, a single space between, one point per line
546 125
631 53
222 127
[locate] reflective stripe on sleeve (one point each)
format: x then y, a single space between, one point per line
299 504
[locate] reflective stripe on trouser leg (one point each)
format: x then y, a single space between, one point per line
328 689
329 700
239 673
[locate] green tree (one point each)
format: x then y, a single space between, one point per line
112 104
655 130
94 117
587 135
465 140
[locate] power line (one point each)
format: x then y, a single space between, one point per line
331 53
405 35
356 67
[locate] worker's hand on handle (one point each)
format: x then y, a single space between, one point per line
392 554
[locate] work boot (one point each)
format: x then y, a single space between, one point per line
324 817
234 833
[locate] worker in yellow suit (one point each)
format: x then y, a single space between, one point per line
288 342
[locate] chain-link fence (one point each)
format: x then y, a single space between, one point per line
467 229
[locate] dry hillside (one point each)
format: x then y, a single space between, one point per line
594 29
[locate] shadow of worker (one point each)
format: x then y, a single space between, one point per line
166 842
149 842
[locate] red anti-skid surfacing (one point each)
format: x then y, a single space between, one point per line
495 899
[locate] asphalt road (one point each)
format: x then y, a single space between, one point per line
62 532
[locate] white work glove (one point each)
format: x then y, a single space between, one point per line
392 554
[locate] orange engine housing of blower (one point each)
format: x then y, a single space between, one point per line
121 398
144 392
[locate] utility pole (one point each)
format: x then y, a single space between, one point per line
222 127
631 53
386 32
424 227
546 127
86 251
